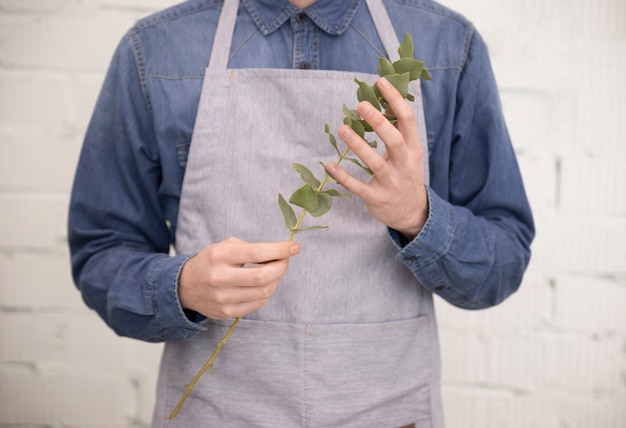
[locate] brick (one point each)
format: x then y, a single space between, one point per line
468 369
68 41
591 186
520 361
592 305
31 337
587 365
475 407
37 282
67 398
91 343
33 221
38 161
32 6
525 112
148 5
33 101
510 315
589 245
593 411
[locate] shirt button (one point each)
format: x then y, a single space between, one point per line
304 65
301 17
440 287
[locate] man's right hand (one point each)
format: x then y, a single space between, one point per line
233 278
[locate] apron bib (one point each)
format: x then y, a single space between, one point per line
349 337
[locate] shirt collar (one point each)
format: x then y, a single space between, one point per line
332 16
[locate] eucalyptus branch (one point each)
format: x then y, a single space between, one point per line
312 198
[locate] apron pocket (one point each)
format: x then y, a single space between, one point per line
275 374
369 375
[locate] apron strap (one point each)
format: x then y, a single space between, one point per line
385 28
224 35
226 26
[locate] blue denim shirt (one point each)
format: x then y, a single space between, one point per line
474 247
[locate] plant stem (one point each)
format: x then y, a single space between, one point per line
204 368
221 344
319 189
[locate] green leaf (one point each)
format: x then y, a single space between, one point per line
390 117
323 204
410 97
409 65
335 193
331 138
288 214
309 228
384 67
306 175
400 82
366 126
316 203
425 75
406 47
366 93
305 197
353 114
373 144
355 125
360 165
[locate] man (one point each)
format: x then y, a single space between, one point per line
346 336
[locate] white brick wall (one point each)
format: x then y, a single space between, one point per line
552 356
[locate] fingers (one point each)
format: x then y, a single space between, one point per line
407 124
233 278
237 252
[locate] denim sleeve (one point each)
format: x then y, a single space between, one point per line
475 246
119 239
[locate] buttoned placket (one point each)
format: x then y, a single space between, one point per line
305 42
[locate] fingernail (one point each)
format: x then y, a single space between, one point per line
366 108
345 132
384 83
294 249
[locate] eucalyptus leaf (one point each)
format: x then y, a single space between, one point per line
366 93
366 126
360 165
355 125
288 214
310 228
425 75
304 197
351 113
409 65
322 205
332 139
400 82
384 67
406 47
336 193
306 175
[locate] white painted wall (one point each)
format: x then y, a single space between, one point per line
553 356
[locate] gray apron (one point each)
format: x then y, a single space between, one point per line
349 338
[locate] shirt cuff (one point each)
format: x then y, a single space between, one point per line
177 324
422 254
